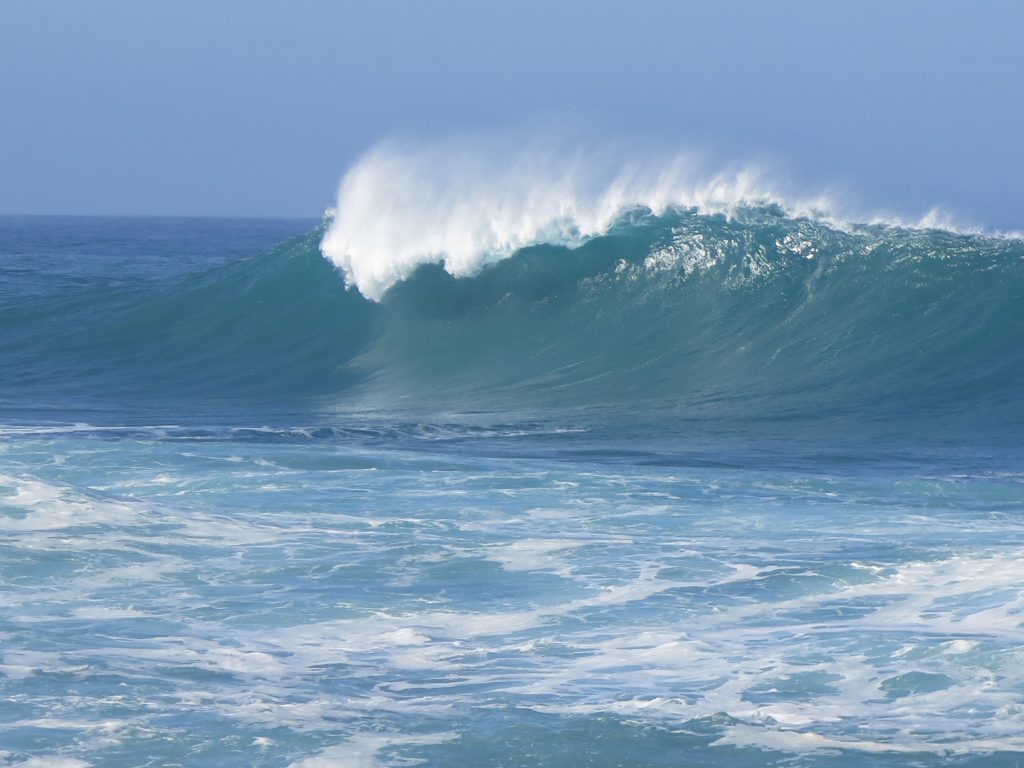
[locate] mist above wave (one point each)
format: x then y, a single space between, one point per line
470 204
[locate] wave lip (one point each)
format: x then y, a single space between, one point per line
471 206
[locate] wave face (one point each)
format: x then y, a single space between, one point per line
759 314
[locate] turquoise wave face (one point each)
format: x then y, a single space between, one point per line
759 315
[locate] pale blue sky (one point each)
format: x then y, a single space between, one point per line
256 108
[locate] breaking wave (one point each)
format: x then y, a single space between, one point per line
555 286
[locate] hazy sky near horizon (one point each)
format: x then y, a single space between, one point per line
223 107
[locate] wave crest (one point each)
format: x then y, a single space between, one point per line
466 206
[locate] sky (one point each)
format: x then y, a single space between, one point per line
257 108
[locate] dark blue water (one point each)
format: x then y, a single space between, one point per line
702 490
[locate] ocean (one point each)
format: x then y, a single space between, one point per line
672 487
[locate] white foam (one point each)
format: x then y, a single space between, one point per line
806 741
42 506
468 203
957 647
471 204
534 554
361 750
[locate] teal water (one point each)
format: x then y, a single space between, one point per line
703 490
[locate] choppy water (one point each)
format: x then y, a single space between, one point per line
701 490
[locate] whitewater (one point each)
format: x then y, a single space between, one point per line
517 457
